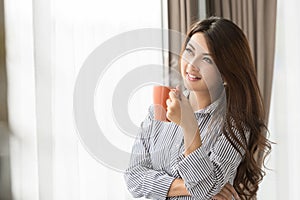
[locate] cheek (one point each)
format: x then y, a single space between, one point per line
183 65
212 77
210 74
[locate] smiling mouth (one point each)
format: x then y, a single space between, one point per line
192 77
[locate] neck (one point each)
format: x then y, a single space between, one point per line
199 100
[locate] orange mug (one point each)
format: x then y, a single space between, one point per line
160 96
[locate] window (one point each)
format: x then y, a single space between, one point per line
282 180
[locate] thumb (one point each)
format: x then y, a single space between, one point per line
178 92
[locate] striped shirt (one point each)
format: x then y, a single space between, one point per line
157 159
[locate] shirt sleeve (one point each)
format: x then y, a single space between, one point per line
205 175
140 177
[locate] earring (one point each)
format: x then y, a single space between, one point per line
224 83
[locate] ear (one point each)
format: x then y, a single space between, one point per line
224 80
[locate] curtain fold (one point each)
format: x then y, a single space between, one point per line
5 174
181 15
257 19
3 79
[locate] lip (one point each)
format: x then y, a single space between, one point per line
192 77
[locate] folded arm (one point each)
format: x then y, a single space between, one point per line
142 180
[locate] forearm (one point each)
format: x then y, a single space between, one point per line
204 175
192 139
142 181
178 188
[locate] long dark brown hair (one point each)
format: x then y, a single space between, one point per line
231 53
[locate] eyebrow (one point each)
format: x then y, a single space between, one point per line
205 54
191 46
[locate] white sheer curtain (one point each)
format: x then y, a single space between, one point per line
282 181
47 43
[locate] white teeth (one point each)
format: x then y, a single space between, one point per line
192 76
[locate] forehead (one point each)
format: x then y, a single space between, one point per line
199 42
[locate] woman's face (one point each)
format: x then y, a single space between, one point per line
199 72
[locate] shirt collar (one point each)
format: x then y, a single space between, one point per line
208 109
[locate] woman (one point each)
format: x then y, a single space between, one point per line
217 126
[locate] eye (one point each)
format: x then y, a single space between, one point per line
189 51
208 60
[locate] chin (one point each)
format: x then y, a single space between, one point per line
191 88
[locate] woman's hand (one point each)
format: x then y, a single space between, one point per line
226 193
179 110
177 188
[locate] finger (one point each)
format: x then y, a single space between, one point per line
218 197
178 88
232 191
226 194
178 92
168 102
173 96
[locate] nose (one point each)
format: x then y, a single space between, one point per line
191 67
